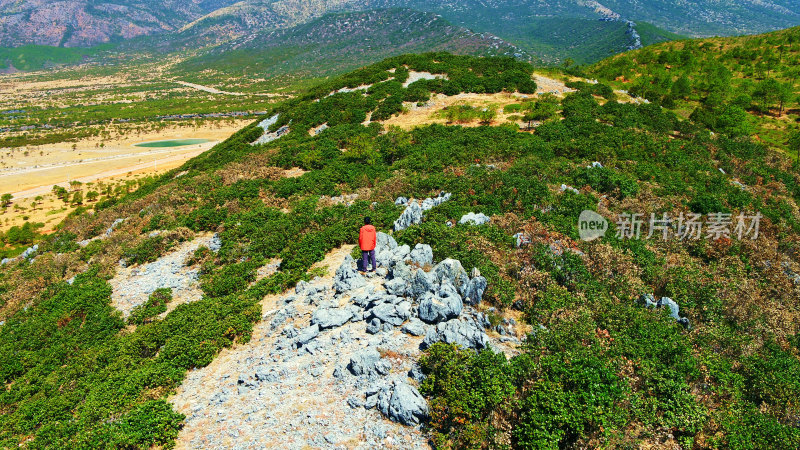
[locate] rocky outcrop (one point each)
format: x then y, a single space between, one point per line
347 277
442 305
474 219
674 310
398 401
413 213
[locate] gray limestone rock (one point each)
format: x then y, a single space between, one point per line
307 334
396 286
464 333
363 362
374 326
429 203
401 402
674 309
474 219
451 269
391 314
331 318
113 226
414 327
446 305
383 367
347 278
649 300
29 252
474 289
420 283
421 256
281 317
412 215
416 374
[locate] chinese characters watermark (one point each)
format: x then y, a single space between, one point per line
683 227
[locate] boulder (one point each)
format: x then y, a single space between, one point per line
396 286
399 402
416 374
414 327
384 242
392 314
402 271
451 269
307 334
473 292
474 219
464 333
674 309
421 256
420 283
429 203
401 201
30 251
363 362
331 317
113 226
412 215
649 300
406 405
347 278
445 305
374 326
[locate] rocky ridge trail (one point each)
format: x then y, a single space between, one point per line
333 364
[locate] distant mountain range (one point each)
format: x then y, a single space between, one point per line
75 23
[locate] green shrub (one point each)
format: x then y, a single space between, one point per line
466 388
155 305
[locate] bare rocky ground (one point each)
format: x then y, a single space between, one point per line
333 364
133 285
266 394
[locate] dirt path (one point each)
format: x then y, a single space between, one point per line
208 89
265 395
212 90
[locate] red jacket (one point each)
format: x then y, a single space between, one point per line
367 237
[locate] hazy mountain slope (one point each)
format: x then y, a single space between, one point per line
712 17
704 17
339 42
83 23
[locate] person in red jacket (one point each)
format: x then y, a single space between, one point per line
367 238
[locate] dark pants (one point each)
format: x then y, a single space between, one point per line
366 257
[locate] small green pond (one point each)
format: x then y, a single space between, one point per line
172 143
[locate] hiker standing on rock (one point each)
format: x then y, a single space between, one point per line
367 237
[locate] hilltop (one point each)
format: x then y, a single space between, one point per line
742 85
489 320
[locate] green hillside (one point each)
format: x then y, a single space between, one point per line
598 369
749 83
